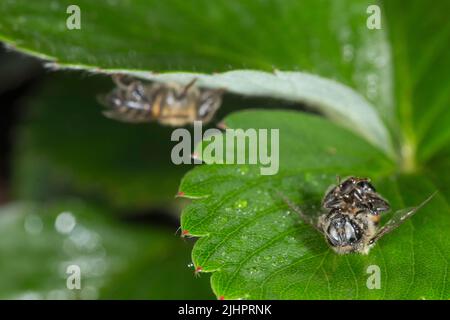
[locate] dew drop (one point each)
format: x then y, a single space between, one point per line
291 239
65 222
243 170
253 270
286 214
281 260
241 204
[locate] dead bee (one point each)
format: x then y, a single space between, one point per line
355 194
350 221
168 103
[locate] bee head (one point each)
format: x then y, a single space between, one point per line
210 101
342 231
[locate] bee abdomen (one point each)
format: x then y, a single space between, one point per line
127 114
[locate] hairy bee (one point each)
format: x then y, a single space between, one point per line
355 194
168 103
350 222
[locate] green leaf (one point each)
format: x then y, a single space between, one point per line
117 261
174 35
257 248
338 102
437 170
420 38
67 146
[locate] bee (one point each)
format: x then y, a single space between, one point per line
355 194
350 222
170 104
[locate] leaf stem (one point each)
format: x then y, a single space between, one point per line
408 156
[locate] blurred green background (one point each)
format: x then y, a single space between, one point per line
111 186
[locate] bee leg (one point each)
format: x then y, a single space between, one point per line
121 82
305 218
187 87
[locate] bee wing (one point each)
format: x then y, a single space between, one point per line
398 218
122 110
210 101
377 204
309 220
130 116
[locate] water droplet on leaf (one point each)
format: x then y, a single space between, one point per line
240 204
